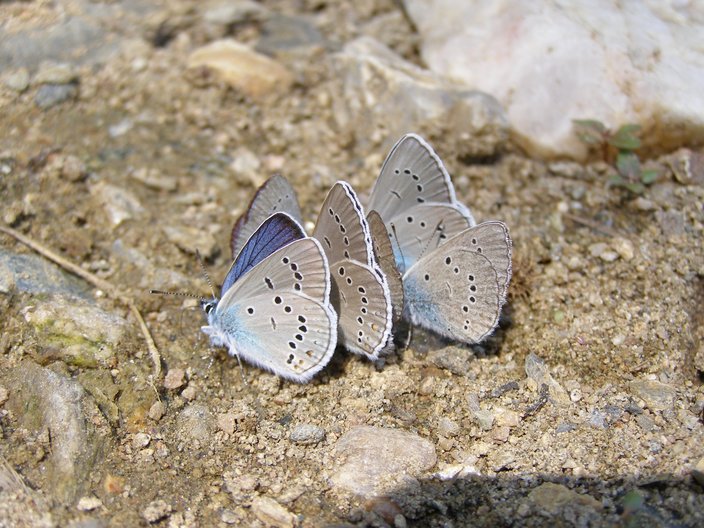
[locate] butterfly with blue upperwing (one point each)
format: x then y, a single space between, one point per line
360 292
455 272
274 310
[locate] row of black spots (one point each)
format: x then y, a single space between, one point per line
360 336
410 220
474 242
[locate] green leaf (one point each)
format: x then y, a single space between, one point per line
649 176
628 166
590 131
626 138
633 501
635 188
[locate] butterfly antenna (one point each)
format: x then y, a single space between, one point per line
205 273
177 294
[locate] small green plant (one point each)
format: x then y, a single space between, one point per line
618 148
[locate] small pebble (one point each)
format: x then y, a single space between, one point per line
658 396
157 410
624 248
307 434
156 511
55 73
189 393
229 517
141 440
271 513
89 503
49 95
17 80
447 427
174 379
227 422
4 395
698 471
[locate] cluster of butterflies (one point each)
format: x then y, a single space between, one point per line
417 254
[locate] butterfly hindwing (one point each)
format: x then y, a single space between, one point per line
454 291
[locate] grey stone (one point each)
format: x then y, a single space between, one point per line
657 396
190 238
455 359
55 73
307 434
49 95
380 89
554 497
286 33
118 203
537 370
45 400
195 422
36 275
371 461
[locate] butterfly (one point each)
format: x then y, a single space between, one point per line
455 272
360 292
274 310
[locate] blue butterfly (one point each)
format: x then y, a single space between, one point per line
274 310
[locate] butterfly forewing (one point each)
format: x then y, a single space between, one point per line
340 228
276 194
454 292
412 174
362 302
299 267
492 240
275 232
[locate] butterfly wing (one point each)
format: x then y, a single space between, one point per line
421 228
299 267
361 295
412 174
454 291
275 232
492 240
384 254
275 194
278 315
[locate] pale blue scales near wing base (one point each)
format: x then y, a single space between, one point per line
455 290
275 309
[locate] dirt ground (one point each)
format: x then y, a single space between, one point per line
142 160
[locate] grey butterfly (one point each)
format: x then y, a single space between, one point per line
276 194
275 310
455 273
360 293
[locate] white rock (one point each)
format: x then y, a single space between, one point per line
118 203
380 89
551 62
